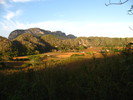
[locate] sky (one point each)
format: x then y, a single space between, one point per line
77 17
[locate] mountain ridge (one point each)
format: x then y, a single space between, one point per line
39 32
36 41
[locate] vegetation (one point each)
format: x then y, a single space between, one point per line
75 55
102 75
27 44
75 78
37 32
6 49
52 40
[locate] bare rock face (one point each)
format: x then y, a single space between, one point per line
15 33
37 32
34 31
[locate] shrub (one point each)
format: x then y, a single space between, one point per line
77 55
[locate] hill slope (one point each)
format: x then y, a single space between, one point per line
29 44
6 48
35 40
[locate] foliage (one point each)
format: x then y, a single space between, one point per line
82 47
52 40
35 60
28 44
76 55
64 45
6 49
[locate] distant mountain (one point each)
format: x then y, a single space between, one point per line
37 32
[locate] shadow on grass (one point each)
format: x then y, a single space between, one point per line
105 78
4 65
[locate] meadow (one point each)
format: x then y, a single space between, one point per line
94 74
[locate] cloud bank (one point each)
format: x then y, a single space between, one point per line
113 29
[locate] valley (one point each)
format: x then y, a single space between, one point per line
53 67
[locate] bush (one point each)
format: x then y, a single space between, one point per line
77 55
81 47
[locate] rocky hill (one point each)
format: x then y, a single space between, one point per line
37 32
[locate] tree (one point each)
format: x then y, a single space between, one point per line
116 3
130 11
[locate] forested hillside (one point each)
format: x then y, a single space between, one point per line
35 42
6 49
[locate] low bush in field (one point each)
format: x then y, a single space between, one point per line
76 55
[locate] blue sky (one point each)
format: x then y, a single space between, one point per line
78 17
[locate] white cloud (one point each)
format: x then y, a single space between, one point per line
5 3
115 29
112 29
11 14
2 2
22 0
7 26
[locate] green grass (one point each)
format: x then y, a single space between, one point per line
72 79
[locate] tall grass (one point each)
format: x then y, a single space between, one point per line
105 78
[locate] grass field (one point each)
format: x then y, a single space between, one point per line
92 74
